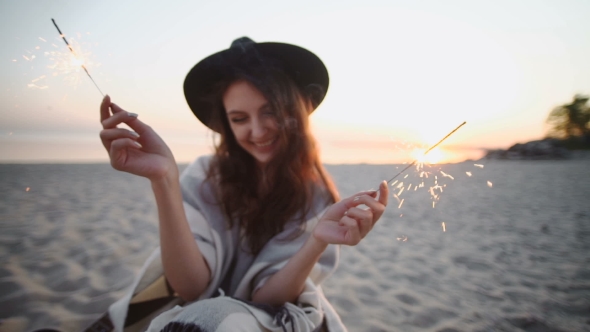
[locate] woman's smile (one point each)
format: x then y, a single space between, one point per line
252 120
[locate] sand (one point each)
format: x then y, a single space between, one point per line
513 254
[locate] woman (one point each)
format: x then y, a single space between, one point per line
250 232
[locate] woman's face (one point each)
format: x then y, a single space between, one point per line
252 120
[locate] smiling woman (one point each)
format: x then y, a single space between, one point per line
251 231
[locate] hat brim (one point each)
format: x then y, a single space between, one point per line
304 67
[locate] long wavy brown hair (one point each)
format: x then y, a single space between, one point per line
264 200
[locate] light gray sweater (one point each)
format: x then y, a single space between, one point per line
234 271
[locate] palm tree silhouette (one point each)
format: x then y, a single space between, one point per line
571 120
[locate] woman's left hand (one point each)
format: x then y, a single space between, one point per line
346 223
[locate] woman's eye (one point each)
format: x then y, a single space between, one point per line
238 120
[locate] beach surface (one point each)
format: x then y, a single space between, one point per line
474 246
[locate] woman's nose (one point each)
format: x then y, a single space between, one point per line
258 128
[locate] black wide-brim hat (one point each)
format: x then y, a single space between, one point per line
302 66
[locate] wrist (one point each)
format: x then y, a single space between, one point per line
315 244
166 178
168 181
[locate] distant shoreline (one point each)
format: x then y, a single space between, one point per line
544 149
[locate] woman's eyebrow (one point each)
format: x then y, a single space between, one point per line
265 105
262 107
235 111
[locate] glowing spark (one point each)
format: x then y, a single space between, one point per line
38 78
406 176
396 197
13 60
447 175
77 62
490 184
433 203
468 173
391 184
24 56
478 165
35 86
27 189
401 215
400 204
43 40
403 238
444 227
410 186
400 192
401 184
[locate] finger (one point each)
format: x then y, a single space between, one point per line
116 108
364 219
123 143
369 201
133 122
120 150
383 193
118 118
116 133
353 236
104 108
359 214
351 201
137 125
374 205
348 221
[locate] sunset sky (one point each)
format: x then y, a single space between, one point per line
403 73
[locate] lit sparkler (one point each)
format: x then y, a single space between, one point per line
434 189
78 61
426 152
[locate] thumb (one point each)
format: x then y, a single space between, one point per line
137 125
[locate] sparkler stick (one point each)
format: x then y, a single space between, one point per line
75 55
432 147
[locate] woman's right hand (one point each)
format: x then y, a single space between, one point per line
141 152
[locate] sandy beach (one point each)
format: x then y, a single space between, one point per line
506 246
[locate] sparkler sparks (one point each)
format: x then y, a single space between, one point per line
428 180
447 175
426 152
67 64
77 60
434 190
